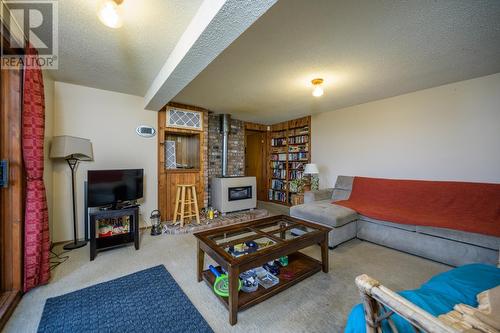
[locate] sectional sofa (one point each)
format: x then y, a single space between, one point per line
448 246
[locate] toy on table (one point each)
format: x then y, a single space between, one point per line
265 278
221 284
272 267
283 261
249 281
243 248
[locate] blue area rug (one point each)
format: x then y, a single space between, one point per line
145 301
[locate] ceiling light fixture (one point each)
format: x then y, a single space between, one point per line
318 89
109 13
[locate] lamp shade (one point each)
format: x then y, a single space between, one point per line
311 169
66 146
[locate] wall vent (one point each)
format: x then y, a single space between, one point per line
185 119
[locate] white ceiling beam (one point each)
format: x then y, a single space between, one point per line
214 27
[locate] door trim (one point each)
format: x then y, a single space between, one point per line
12 197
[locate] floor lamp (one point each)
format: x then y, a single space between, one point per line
73 150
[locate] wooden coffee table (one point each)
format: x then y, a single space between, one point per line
278 236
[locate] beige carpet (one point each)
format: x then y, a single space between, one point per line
320 303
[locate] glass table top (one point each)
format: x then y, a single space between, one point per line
258 236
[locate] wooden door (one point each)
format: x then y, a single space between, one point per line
255 160
11 196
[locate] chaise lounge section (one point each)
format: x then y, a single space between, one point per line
445 245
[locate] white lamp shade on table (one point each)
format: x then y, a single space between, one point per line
66 146
311 169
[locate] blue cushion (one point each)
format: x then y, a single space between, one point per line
438 295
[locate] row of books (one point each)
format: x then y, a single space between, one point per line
298 139
295 174
278 165
278 157
279 173
296 165
277 184
277 142
282 165
297 156
277 196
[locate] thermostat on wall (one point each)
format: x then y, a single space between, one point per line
145 131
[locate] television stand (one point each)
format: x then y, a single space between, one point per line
113 238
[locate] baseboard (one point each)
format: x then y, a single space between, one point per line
8 303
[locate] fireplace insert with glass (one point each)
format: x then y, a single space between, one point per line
239 193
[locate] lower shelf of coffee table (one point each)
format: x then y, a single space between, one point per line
300 264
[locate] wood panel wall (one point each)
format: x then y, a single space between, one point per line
12 197
169 179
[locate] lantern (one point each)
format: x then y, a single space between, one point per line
155 218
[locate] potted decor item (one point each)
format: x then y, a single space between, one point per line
296 188
312 170
296 185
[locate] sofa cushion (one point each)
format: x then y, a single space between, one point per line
344 183
490 242
324 212
388 224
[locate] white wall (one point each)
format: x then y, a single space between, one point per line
451 132
109 120
48 85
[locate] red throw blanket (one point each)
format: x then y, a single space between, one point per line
472 207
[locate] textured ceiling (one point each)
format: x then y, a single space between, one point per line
126 59
365 50
216 25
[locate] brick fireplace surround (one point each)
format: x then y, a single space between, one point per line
236 149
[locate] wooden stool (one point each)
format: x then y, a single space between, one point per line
184 201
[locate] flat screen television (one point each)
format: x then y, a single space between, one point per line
109 187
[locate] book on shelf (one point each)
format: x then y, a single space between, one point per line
278 165
300 156
296 165
278 157
277 196
279 173
298 139
295 174
278 142
277 184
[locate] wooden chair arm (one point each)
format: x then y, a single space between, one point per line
374 295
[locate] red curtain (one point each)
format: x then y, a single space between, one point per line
36 221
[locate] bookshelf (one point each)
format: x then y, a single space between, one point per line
289 152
